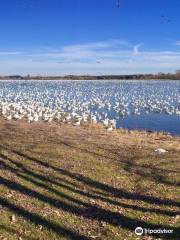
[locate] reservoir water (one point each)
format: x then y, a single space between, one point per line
148 105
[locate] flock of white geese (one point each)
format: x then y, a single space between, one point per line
83 102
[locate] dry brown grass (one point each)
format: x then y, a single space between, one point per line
65 182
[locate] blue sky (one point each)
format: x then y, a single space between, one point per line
89 36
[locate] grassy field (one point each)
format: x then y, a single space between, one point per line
65 182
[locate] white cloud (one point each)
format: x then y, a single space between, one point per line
111 57
178 43
7 53
99 45
88 50
136 48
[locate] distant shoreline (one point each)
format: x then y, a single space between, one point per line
160 76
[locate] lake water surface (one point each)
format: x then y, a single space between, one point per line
150 105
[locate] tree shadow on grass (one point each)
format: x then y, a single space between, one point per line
35 218
14 232
21 169
146 172
154 173
90 212
101 186
73 205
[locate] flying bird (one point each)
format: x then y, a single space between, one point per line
118 3
167 19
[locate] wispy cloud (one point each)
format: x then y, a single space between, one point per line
178 43
100 45
89 50
136 48
108 57
7 53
